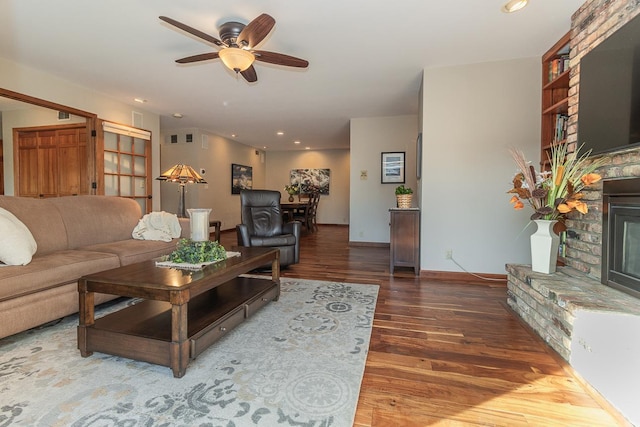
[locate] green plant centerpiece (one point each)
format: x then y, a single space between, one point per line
192 252
401 189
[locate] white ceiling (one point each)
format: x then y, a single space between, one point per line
366 57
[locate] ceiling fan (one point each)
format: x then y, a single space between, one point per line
237 46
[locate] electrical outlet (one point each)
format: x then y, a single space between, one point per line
448 254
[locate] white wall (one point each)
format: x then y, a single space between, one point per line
28 81
334 207
214 154
471 115
605 351
370 199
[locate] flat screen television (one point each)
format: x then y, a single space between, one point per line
609 98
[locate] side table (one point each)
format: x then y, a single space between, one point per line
216 229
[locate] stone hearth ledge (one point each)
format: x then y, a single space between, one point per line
550 303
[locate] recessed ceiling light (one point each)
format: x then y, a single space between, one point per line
296 142
178 115
233 135
140 100
514 5
279 133
307 148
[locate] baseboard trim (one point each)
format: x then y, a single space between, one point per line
498 280
368 244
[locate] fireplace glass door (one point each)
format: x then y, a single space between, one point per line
624 247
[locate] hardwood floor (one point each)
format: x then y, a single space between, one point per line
446 354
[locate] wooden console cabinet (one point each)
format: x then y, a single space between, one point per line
405 239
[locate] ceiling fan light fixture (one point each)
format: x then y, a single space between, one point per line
236 59
514 5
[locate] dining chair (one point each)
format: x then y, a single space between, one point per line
307 215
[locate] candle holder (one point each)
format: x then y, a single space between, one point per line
199 223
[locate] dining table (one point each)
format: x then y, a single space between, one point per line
289 209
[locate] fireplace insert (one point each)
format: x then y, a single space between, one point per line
621 235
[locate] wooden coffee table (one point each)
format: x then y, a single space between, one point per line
183 311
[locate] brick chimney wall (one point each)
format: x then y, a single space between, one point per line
590 25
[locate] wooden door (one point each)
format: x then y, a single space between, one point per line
27 168
52 161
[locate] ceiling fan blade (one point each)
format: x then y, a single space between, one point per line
192 31
250 74
280 59
196 58
255 31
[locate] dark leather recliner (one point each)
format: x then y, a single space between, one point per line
262 225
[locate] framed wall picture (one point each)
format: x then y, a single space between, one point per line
241 178
310 180
392 165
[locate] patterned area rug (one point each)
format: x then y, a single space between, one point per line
297 362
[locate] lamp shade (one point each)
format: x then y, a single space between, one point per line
236 59
182 174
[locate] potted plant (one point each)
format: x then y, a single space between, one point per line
552 195
404 196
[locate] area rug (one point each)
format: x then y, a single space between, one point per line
297 362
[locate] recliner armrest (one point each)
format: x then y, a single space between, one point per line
243 235
295 228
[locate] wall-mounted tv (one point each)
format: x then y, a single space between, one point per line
609 98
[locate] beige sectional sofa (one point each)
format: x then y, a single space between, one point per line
75 235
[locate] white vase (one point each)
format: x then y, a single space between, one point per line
544 247
199 224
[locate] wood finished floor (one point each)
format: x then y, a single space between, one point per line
445 354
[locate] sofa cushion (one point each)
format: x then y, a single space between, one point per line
52 270
91 220
17 244
42 219
130 251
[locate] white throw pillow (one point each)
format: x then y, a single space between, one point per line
17 244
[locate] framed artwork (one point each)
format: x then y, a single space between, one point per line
392 166
241 178
311 179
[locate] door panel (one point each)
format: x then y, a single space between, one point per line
127 165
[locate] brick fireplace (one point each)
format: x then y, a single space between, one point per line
593 326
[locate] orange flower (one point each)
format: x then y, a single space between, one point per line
564 208
582 207
590 178
518 205
514 199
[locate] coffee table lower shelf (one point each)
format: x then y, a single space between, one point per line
143 331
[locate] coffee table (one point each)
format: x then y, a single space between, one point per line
182 312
